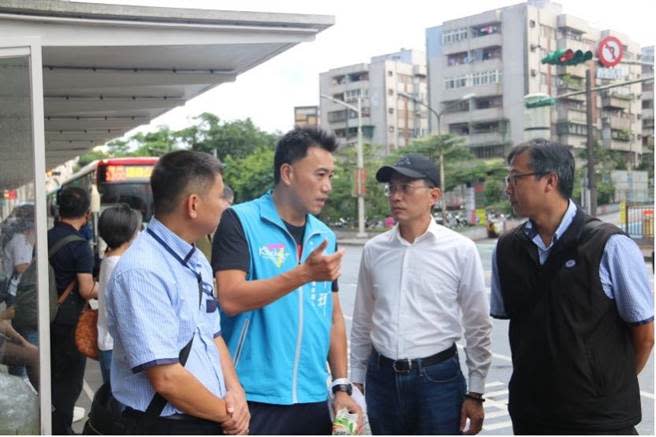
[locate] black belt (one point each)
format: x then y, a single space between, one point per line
131 412
406 365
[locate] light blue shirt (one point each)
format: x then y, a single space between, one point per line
622 272
153 310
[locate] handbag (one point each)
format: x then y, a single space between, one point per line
86 333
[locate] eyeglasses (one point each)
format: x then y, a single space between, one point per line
407 188
511 179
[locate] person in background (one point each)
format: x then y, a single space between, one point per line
73 264
118 226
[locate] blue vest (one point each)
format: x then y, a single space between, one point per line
281 350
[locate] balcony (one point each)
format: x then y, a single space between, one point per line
615 102
572 115
620 123
488 138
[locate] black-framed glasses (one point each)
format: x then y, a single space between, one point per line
511 179
406 188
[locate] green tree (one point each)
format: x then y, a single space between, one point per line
606 161
250 176
342 202
237 138
91 156
456 155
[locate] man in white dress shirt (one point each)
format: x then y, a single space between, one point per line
420 285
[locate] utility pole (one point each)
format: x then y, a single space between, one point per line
592 186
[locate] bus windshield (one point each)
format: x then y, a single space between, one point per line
136 194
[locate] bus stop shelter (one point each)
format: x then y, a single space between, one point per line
76 75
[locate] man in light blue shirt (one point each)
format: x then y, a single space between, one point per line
161 298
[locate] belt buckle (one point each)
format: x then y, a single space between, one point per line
402 370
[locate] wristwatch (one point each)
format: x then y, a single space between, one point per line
342 384
478 397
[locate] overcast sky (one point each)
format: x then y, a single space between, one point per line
363 28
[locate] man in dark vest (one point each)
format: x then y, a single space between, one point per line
577 294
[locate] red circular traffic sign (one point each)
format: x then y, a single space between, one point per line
610 51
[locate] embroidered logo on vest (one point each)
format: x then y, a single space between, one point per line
275 253
570 263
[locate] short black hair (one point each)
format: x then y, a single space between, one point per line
118 224
73 202
294 145
179 172
546 157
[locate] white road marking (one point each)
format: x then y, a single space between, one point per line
496 393
499 425
494 414
87 389
502 357
647 394
494 384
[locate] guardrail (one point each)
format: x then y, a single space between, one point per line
638 222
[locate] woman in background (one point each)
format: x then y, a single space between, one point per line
118 226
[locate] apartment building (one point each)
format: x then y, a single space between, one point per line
388 88
647 97
480 68
306 116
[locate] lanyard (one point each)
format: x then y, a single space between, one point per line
199 278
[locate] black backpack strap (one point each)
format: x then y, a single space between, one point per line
63 242
158 402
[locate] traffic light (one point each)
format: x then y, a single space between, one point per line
553 58
567 57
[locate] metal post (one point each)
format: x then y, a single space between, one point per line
360 159
442 187
360 178
592 186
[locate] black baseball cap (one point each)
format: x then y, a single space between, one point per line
413 166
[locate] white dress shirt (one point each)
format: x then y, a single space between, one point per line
414 300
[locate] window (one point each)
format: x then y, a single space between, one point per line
454 35
488 102
390 111
457 59
459 128
390 92
485 29
531 23
390 73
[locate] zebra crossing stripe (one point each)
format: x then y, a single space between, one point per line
494 414
496 393
498 425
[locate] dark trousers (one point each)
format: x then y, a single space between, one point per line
423 400
297 419
178 424
67 373
521 427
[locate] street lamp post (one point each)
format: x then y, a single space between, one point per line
359 179
437 115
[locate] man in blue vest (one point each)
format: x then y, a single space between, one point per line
276 267
581 309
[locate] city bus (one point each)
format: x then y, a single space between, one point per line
110 181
